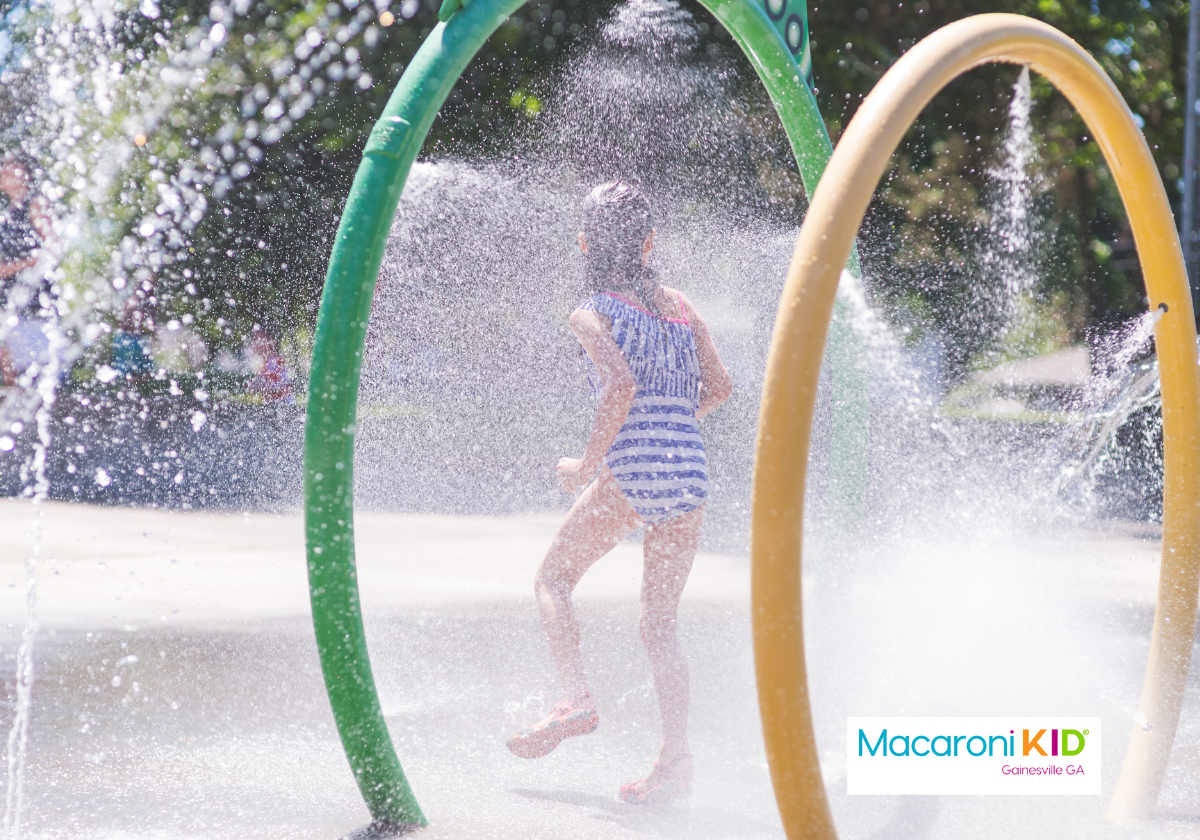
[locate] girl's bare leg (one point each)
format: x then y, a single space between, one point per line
600 518
669 549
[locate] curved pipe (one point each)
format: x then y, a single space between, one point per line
794 364
341 332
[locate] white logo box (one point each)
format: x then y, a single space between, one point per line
1074 770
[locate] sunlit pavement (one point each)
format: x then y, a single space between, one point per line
178 691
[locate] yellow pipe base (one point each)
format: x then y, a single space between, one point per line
793 367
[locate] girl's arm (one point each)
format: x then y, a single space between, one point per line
617 390
715 382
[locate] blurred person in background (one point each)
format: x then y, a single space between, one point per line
28 299
272 381
131 350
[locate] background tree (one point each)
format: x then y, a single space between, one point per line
202 151
924 220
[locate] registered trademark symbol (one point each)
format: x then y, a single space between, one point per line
1085 732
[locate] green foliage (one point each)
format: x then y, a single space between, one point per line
931 205
200 152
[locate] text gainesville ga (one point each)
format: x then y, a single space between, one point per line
1051 770
1042 742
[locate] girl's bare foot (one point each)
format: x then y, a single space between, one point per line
666 783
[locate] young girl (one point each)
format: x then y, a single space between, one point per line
655 369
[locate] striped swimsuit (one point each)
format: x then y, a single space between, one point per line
658 456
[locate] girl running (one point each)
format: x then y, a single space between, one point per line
655 370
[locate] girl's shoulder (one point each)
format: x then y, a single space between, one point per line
678 306
592 302
595 305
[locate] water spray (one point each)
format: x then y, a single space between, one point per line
794 369
341 329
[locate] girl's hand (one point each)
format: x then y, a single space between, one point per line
570 474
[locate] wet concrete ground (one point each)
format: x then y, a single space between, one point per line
213 723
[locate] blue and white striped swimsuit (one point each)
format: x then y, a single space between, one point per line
658 456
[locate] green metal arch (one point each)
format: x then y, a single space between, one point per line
392 147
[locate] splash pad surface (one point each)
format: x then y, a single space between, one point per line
235 736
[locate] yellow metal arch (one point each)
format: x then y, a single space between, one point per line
790 389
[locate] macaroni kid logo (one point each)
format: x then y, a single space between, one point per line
1022 756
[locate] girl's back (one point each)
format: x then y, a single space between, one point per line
658 456
661 352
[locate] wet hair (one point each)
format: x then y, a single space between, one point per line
617 218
